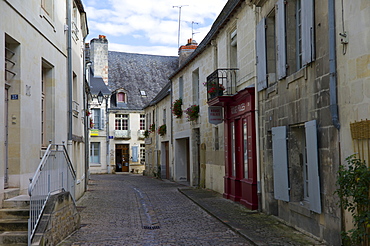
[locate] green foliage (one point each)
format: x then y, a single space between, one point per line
354 182
192 112
152 127
146 133
162 130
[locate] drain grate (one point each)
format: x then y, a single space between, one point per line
151 227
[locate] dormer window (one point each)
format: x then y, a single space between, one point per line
143 93
121 97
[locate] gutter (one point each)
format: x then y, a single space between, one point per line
69 71
332 66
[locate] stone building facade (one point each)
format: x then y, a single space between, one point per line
41 102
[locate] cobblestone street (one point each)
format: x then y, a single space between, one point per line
126 209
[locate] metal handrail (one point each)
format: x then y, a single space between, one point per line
54 174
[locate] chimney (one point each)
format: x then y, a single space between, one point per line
99 57
186 50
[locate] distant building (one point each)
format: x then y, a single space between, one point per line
134 80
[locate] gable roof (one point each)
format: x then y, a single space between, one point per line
135 72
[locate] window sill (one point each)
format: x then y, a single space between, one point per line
302 208
95 165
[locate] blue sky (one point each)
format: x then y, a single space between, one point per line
149 26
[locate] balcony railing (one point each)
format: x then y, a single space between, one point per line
141 134
221 82
122 134
75 106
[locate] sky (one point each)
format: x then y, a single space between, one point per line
150 26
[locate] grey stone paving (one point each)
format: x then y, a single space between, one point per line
130 209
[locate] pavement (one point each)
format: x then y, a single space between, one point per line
258 228
131 209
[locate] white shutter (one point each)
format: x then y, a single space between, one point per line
313 166
261 55
280 39
280 163
102 122
308 31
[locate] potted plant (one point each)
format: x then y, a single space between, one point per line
162 130
192 112
176 108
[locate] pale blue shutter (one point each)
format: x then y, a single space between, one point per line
261 55
135 153
102 123
313 166
280 163
280 39
308 39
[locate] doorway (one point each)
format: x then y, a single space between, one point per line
122 157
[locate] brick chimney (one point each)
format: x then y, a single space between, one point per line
99 57
186 50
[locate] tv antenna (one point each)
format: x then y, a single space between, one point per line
178 33
192 29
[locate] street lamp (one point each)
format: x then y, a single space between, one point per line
100 97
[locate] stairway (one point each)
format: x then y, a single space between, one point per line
14 218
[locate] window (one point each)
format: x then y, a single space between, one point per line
164 116
181 87
142 122
121 97
122 121
285 41
95 152
97 115
195 77
142 153
296 170
46 100
233 59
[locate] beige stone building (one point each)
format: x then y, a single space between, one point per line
41 102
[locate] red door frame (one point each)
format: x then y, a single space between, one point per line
240 111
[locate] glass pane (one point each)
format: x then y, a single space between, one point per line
245 143
233 167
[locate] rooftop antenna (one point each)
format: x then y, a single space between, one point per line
178 35
192 28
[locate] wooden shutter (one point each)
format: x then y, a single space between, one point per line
313 166
280 163
261 55
135 153
280 39
102 123
308 32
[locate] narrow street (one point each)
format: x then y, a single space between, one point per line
128 209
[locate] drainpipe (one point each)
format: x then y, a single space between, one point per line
332 66
256 115
69 74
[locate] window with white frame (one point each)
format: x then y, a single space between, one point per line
142 152
142 122
94 152
293 46
97 115
121 121
296 169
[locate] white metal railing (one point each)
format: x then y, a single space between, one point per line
54 174
122 133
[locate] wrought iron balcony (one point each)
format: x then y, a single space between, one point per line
122 134
221 82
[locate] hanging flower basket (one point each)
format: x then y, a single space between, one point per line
87 112
176 108
152 127
162 130
192 112
91 123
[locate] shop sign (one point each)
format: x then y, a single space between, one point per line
94 132
215 115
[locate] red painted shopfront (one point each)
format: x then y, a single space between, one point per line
240 147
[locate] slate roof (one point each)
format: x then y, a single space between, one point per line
162 94
135 72
97 84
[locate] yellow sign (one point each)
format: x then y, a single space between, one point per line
94 132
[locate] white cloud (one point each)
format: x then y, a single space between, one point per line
150 23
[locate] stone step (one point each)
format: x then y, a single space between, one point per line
10 193
14 213
13 225
22 201
14 238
